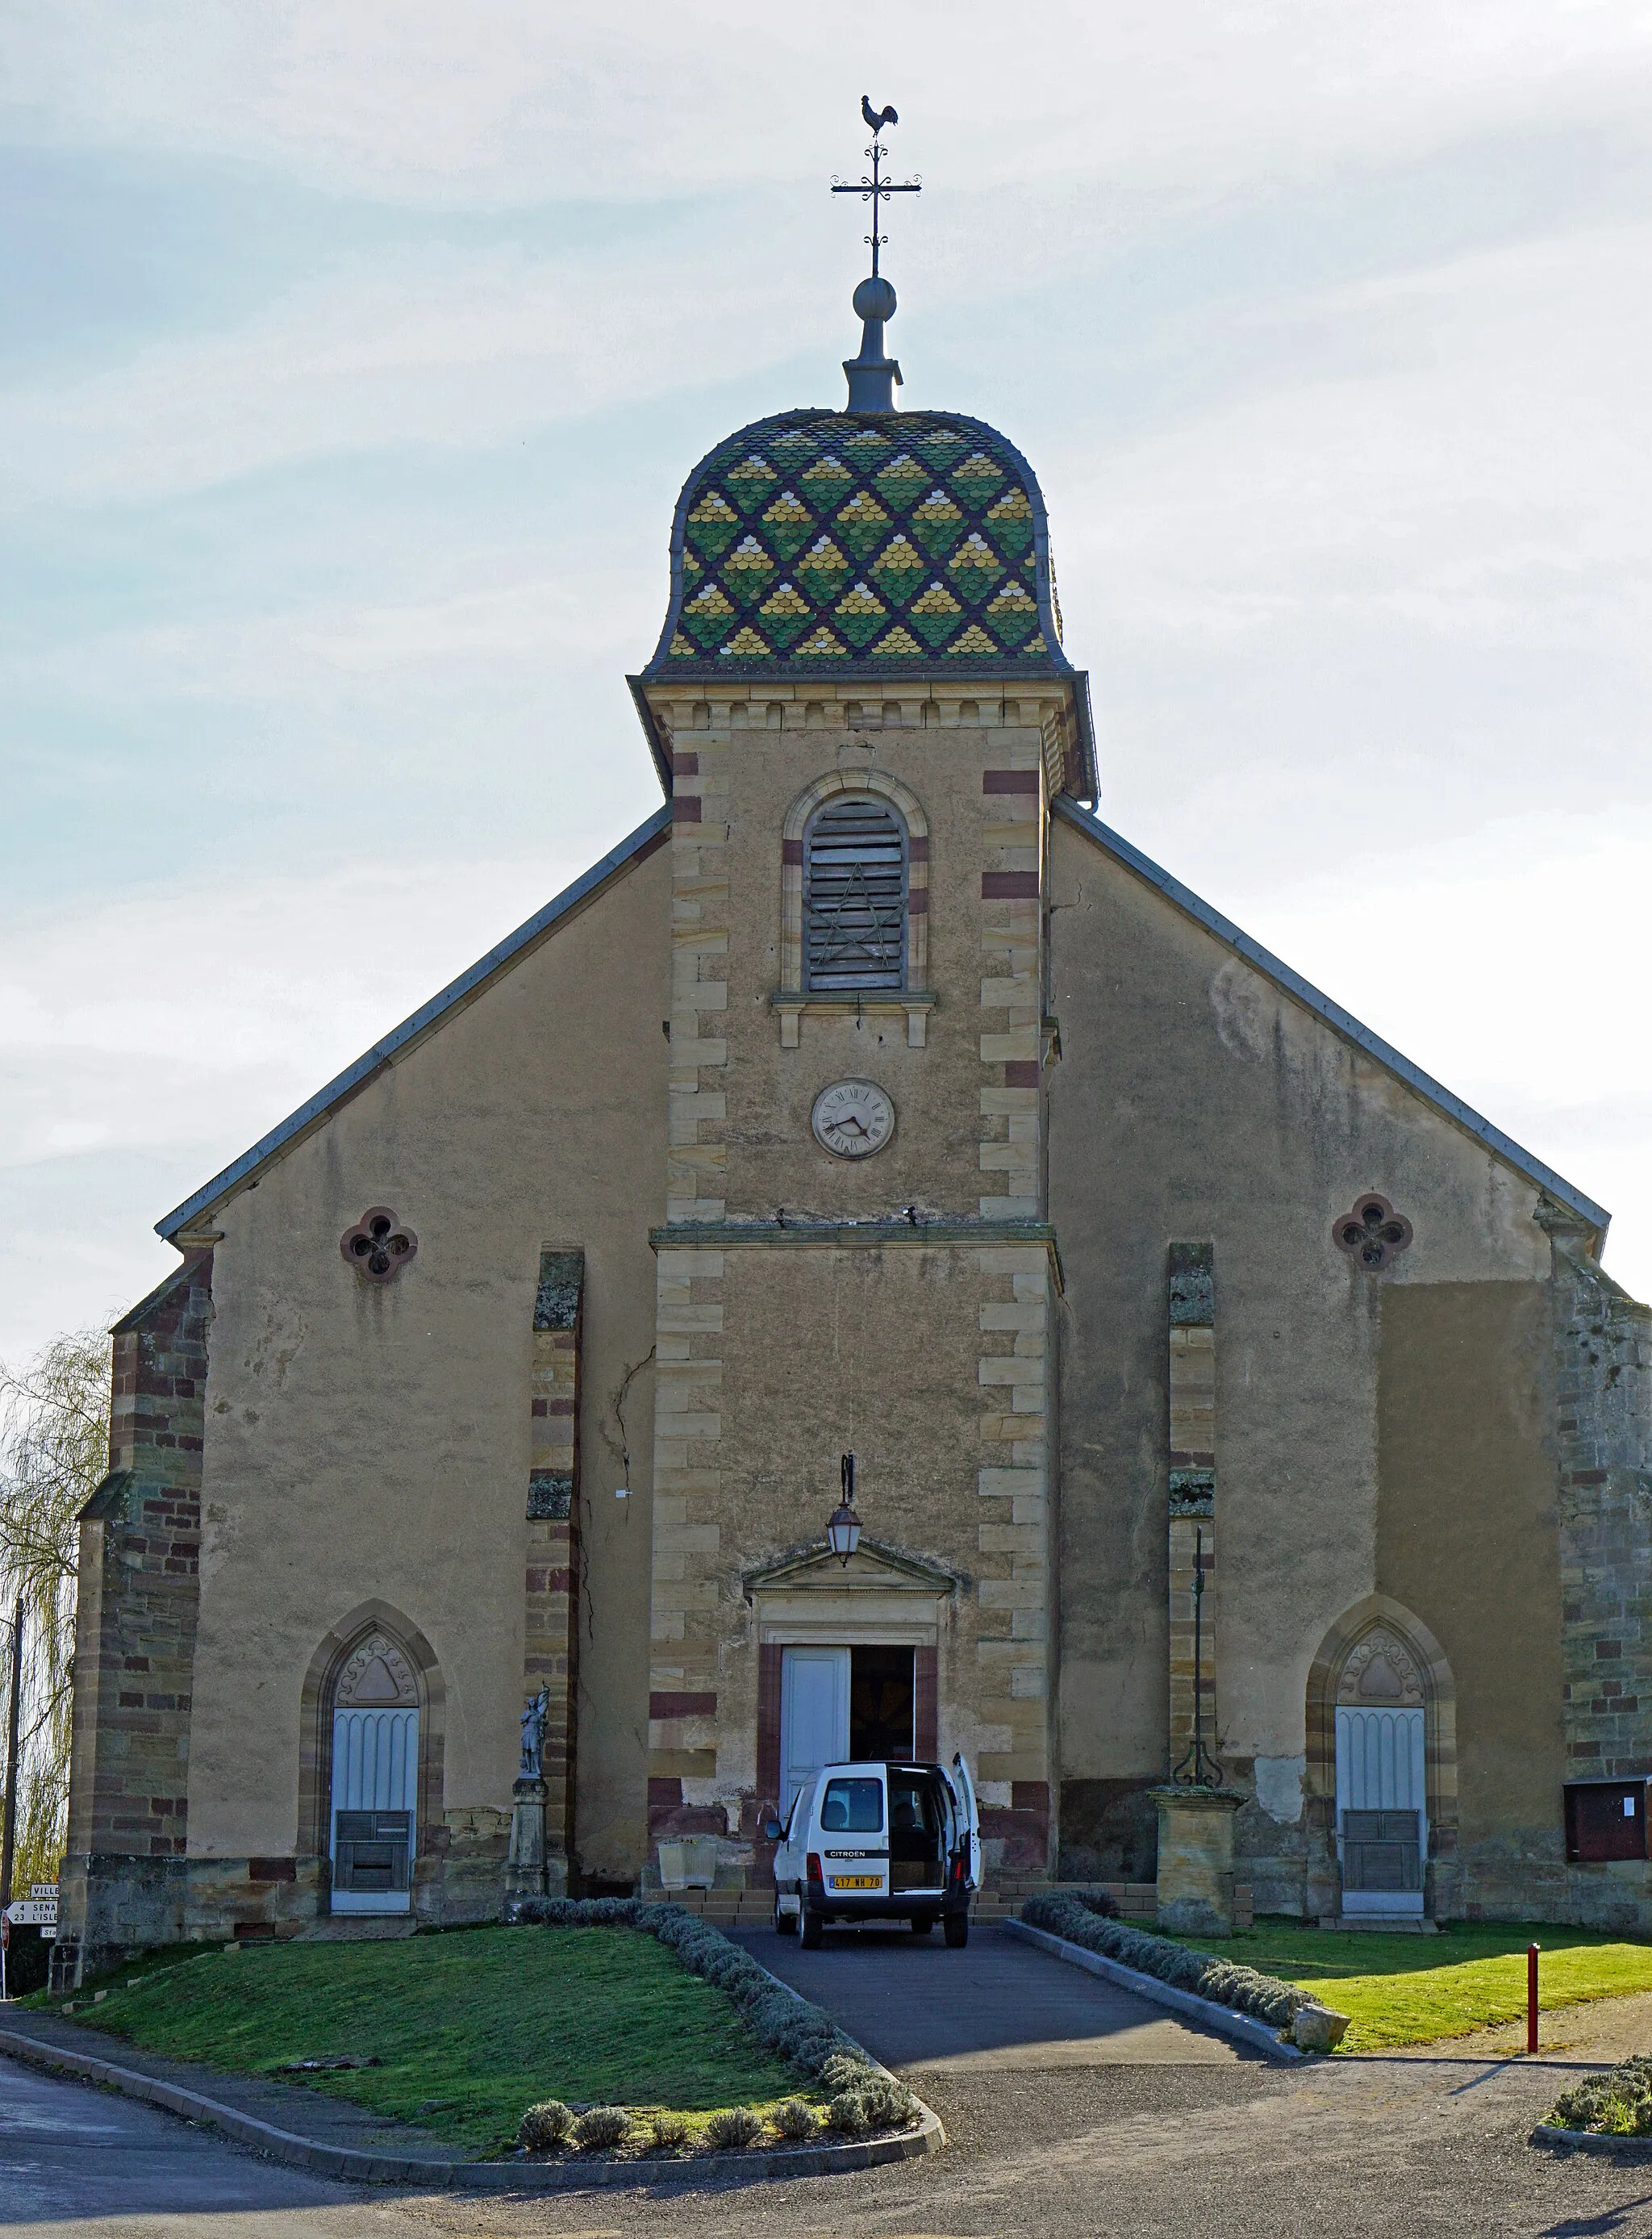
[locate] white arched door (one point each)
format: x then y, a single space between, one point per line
1381 1808
374 1804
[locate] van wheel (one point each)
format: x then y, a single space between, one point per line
813 1930
785 1923
922 1922
958 1930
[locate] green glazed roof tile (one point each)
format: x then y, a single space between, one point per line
882 542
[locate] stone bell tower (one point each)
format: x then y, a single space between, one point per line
861 697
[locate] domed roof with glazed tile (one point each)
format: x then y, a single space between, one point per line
860 544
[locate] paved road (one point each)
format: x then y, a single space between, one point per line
1420 2146
84 2160
998 2004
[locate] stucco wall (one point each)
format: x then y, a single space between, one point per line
1195 1099
1468 1537
373 1443
877 1351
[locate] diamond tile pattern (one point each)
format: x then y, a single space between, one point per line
823 540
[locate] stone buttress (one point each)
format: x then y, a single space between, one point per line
124 1877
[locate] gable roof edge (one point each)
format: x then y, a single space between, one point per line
1340 1022
470 982
175 1278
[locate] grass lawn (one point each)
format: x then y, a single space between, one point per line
1404 1989
470 2027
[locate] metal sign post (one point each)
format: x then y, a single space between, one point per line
9 1812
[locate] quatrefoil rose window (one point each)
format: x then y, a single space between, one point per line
1373 1233
378 1244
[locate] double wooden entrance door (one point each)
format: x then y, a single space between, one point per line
840 1704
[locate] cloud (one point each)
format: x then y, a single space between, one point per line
517 101
1414 439
289 979
1326 331
421 345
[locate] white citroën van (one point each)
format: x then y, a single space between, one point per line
878 1841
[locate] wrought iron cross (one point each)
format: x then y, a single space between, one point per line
1198 1769
877 189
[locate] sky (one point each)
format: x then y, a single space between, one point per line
353 355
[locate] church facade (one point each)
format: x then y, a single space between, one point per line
1226 1399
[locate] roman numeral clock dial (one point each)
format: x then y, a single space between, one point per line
853 1118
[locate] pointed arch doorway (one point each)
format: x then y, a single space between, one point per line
1382 1739
375 1788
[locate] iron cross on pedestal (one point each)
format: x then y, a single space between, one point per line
877 189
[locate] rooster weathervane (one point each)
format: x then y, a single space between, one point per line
877 189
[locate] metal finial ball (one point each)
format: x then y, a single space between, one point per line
874 299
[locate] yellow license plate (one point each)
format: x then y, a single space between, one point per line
857 1881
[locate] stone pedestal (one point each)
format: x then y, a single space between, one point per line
525 1868
1195 1859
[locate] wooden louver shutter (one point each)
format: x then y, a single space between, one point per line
854 911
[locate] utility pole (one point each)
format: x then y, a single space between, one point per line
8 1837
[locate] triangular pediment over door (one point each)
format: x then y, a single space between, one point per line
880 1594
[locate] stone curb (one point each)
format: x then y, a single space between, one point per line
1261 2036
1591 2142
354 2167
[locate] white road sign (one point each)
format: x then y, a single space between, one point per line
43 1889
32 1912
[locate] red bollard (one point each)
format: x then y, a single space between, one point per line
1531 1997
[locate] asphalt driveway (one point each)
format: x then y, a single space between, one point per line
998 2004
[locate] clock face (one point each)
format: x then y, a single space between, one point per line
853 1118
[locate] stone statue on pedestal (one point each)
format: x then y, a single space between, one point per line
530 1871
534 1722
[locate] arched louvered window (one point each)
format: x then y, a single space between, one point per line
854 897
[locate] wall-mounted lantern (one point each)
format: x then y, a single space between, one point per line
843 1526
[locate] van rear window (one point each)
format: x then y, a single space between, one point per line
914 1810
852 1807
